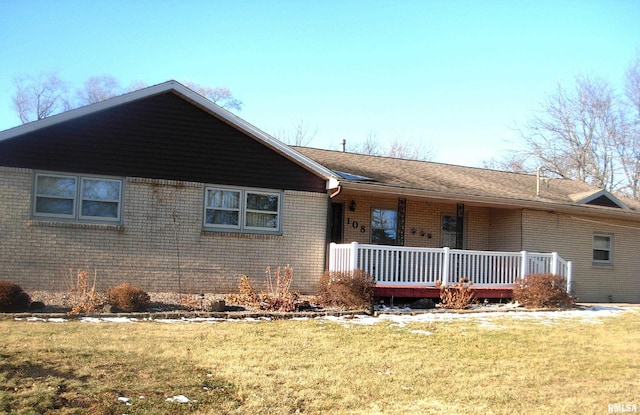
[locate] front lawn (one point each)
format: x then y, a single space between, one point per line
474 365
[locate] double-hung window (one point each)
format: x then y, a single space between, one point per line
602 249
77 198
242 210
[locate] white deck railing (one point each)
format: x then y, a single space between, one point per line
409 266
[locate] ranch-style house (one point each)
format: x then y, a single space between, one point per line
164 189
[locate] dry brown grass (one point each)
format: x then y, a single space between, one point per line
318 367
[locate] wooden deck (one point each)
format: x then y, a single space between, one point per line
382 291
414 272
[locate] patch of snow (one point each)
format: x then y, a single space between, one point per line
179 399
126 401
423 332
108 319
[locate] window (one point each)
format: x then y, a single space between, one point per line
384 226
77 198
602 249
243 210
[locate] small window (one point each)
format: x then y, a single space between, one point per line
242 210
384 226
77 198
602 249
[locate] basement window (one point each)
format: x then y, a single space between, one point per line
602 249
74 198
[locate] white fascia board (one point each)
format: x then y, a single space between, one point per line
606 194
197 99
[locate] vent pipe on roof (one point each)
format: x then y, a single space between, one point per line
538 182
343 143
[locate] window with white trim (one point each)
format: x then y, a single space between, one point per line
77 198
602 249
242 210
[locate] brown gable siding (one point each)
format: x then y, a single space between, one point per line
163 137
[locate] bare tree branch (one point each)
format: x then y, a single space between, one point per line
39 96
218 95
99 88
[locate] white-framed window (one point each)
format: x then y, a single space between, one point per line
384 226
602 248
242 210
77 198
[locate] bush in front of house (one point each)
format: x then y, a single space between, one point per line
350 290
542 291
457 296
13 298
127 297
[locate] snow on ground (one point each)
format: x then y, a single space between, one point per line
483 317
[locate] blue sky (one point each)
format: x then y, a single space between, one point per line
453 76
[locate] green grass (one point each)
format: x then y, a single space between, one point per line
318 366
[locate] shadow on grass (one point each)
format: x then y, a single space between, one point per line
43 387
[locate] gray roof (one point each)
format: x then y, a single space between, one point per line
421 178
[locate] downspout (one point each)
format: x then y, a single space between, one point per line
336 193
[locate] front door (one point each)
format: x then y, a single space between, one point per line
336 222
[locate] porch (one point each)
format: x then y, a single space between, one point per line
412 272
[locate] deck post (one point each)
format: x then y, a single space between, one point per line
332 257
554 263
524 266
353 265
569 287
446 262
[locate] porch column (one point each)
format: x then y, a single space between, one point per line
554 263
569 267
353 263
446 263
524 266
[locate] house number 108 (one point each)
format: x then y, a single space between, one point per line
354 224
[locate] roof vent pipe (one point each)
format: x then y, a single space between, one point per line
343 143
538 182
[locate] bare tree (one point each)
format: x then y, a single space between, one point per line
586 132
298 136
219 95
39 96
396 148
370 145
628 144
99 88
45 94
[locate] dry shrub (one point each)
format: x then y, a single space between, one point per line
127 297
191 302
82 298
13 298
350 290
457 296
542 291
276 296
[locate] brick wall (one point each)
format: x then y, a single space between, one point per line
160 246
572 237
422 216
